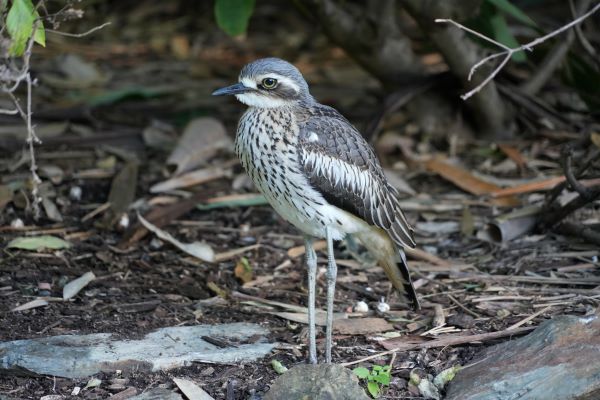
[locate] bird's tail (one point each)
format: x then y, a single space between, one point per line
392 260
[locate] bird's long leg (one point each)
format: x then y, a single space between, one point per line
331 276
311 263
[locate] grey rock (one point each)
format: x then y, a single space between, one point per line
74 356
157 394
317 382
560 360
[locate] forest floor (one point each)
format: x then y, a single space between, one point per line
102 114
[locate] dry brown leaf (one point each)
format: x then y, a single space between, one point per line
202 138
243 271
190 179
514 154
467 181
528 187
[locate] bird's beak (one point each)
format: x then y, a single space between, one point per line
238 88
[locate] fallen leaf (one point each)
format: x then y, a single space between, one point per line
38 243
122 193
31 304
243 270
202 138
442 379
544 184
191 390
234 200
514 154
92 383
361 326
467 181
199 250
217 290
278 367
72 288
190 179
428 389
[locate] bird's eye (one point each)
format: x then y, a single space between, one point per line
269 83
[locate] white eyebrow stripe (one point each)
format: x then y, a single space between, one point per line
281 79
250 83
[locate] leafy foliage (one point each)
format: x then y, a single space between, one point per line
233 15
376 378
20 22
492 23
509 9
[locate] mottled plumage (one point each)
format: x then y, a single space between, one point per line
318 172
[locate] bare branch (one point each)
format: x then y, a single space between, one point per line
508 52
79 35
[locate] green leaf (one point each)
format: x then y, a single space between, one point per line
38 243
278 367
508 8
19 23
361 372
382 378
248 200
373 388
233 15
503 35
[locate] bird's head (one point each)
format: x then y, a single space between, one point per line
268 83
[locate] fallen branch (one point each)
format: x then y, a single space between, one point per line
444 342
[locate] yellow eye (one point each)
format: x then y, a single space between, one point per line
269 83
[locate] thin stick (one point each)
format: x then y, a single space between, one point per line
465 309
78 35
508 52
443 342
526 320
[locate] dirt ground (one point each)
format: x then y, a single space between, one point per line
90 133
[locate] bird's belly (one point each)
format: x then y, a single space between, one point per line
276 174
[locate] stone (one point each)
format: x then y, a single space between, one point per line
79 356
317 382
157 394
559 360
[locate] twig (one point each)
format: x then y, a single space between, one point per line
465 309
445 341
79 35
526 320
508 52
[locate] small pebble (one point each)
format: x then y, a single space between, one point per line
156 243
382 306
17 223
361 307
123 221
75 193
44 289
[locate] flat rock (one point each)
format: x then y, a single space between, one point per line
317 382
78 356
157 394
560 360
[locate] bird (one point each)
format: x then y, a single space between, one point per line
319 173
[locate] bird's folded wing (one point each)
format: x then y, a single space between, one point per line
342 166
